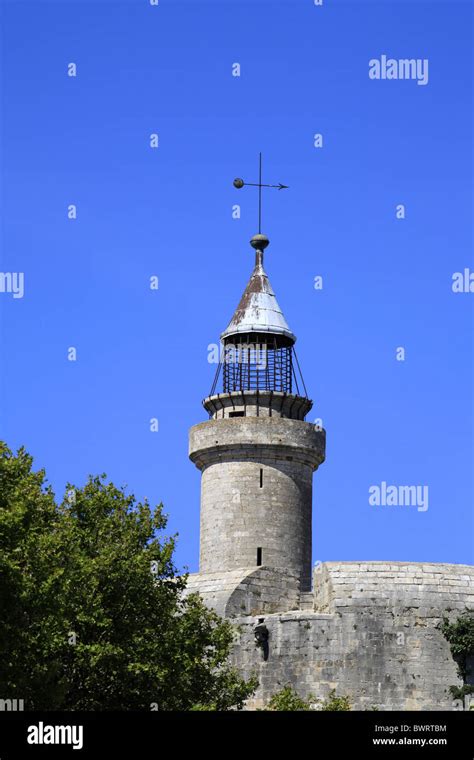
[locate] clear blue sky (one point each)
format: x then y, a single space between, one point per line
167 212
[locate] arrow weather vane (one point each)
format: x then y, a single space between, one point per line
238 183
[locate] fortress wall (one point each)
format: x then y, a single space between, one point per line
376 640
427 586
247 591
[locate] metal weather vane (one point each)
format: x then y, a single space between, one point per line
239 183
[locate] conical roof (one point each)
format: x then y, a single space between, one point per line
258 310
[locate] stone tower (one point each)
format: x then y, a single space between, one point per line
368 629
256 453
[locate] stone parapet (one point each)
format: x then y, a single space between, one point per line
257 404
374 637
253 437
339 586
246 591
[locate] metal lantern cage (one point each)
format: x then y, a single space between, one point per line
259 362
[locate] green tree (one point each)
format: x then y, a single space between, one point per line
288 700
333 703
460 635
92 614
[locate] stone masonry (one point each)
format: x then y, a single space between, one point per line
256 491
369 630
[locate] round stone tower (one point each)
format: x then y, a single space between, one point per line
256 453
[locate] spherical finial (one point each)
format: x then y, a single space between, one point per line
238 183
259 242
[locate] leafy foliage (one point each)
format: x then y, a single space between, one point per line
92 608
459 692
333 703
287 700
460 635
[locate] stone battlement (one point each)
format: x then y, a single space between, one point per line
247 591
368 630
339 587
429 585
